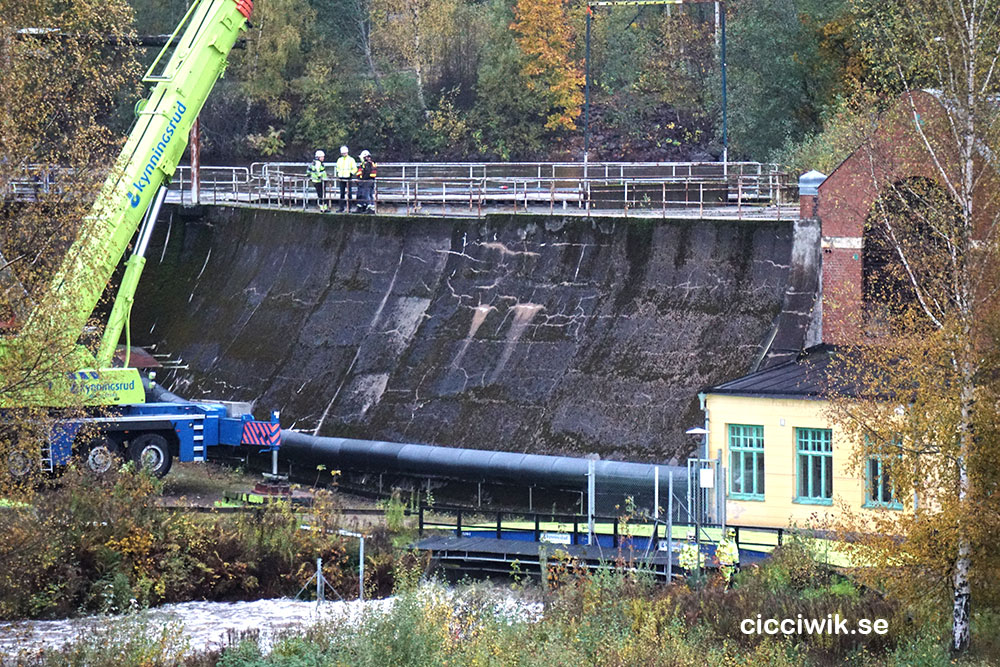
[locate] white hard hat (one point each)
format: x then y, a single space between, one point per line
343 150
320 155
365 154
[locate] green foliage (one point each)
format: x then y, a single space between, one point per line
103 545
608 617
269 143
789 60
411 79
129 640
509 118
395 512
845 125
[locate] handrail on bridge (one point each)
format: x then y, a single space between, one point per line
476 188
746 536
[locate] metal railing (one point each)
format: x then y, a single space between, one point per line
618 531
745 190
708 189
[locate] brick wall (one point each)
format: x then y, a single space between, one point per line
896 151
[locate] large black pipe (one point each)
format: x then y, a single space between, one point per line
155 393
469 464
454 463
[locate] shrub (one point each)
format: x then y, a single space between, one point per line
103 545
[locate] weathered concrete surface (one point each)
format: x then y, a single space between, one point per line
523 333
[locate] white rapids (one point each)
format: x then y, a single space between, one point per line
205 626
200 627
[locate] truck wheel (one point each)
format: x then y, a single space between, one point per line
151 451
103 454
19 464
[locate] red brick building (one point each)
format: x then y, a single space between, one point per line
901 147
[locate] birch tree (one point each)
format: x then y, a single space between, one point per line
412 34
923 398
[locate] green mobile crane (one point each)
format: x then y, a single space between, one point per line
132 196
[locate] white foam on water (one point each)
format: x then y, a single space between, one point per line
210 626
205 626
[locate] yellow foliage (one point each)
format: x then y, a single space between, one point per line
545 38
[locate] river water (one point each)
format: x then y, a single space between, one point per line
198 627
205 626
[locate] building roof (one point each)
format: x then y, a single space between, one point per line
805 377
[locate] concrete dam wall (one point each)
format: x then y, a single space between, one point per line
523 333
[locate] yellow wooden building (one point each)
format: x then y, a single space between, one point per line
786 464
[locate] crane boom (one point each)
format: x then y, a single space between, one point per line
149 158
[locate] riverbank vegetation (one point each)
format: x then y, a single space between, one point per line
106 544
610 617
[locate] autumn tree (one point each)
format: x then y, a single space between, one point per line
64 69
544 37
924 400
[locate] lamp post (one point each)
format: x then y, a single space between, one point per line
698 493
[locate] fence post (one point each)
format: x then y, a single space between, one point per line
777 195
720 493
538 529
670 526
739 197
499 521
656 492
319 580
458 524
420 520
591 488
361 569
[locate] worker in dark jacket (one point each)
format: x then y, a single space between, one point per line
366 183
317 174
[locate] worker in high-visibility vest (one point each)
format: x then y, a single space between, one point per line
346 168
366 183
317 174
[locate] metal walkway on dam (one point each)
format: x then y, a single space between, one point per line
734 190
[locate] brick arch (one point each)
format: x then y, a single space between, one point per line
895 151
884 289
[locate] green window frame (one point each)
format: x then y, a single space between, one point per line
814 466
746 462
878 487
